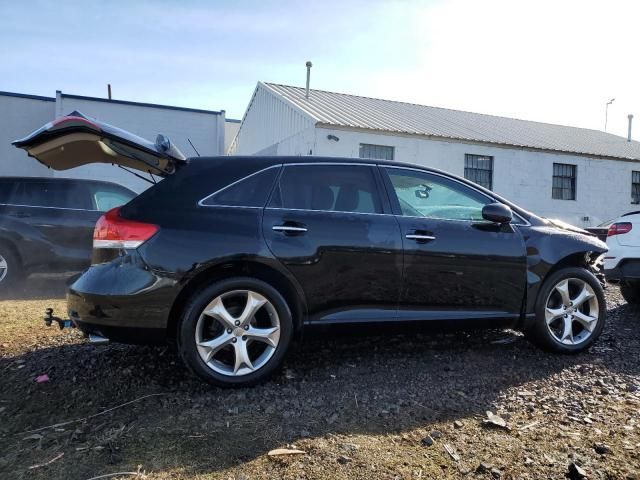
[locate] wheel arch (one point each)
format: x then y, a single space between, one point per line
281 281
588 259
5 242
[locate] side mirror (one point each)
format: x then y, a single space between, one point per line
497 213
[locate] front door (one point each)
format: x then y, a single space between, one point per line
456 265
329 225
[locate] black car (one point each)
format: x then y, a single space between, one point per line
234 256
46 224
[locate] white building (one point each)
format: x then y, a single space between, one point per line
596 175
20 114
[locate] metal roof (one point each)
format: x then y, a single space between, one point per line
351 111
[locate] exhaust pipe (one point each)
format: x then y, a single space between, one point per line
630 117
96 339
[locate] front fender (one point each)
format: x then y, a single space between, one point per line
549 248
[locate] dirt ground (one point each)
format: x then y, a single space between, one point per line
389 404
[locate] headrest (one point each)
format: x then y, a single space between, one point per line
348 198
322 198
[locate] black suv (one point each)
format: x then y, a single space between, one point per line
233 256
46 224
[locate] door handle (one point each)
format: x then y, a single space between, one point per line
288 229
419 238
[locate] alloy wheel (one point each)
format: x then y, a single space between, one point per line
3 268
572 311
238 332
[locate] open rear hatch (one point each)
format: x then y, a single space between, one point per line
76 140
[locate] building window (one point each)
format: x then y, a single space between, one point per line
635 187
564 181
479 169
378 152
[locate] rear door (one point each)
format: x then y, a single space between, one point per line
75 140
63 215
456 265
330 226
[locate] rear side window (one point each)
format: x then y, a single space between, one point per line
105 197
106 200
52 194
337 188
251 191
8 191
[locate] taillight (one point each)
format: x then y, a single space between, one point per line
72 120
113 231
619 228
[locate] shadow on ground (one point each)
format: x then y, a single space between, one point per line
339 381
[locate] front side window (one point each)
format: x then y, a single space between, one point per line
421 194
564 181
336 188
377 152
635 187
251 191
479 169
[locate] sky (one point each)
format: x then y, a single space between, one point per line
556 61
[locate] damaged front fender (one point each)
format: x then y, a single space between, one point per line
550 248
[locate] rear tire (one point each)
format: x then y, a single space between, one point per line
11 272
570 311
236 332
630 292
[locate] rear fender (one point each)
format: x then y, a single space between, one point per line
262 268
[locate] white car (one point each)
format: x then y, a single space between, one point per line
622 261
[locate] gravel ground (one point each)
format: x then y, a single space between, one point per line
390 404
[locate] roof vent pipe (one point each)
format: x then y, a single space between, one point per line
109 91
309 65
630 117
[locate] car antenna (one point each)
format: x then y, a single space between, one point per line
194 148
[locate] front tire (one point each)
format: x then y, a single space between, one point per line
570 311
630 292
236 332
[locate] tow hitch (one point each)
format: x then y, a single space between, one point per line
49 319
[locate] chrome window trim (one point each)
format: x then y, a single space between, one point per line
201 204
55 208
526 223
350 164
329 211
284 165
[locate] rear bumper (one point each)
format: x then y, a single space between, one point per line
122 301
133 335
625 269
